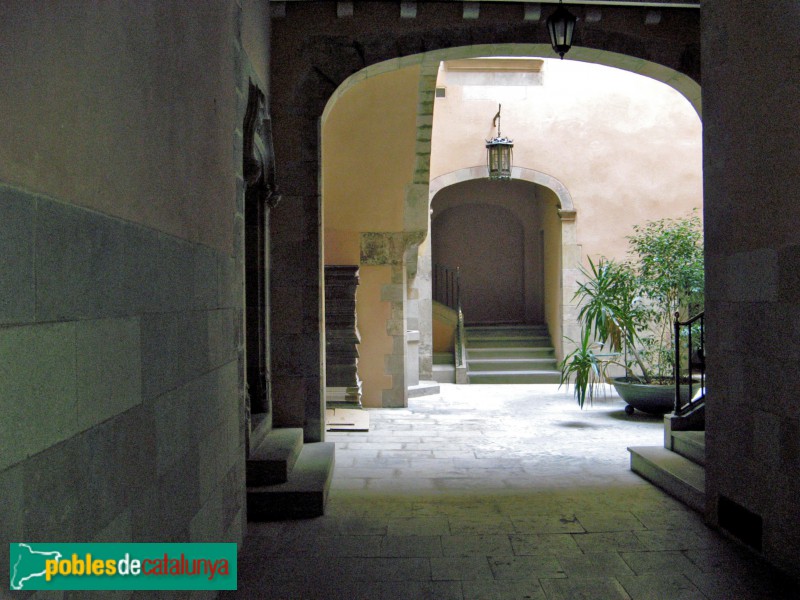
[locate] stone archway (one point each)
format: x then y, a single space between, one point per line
314 52
561 315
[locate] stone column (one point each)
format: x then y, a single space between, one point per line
570 274
342 385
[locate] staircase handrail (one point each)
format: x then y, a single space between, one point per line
696 362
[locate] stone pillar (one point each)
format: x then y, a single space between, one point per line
570 275
342 385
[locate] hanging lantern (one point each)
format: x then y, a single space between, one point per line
499 153
561 25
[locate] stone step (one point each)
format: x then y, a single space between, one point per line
506 342
512 364
305 493
499 335
444 373
260 427
690 444
520 376
273 456
510 330
509 353
425 388
673 473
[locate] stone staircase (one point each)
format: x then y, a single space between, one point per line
678 467
511 354
287 479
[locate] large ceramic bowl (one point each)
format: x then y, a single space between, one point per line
648 398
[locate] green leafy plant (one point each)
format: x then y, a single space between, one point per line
668 259
585 368
627 308
605 302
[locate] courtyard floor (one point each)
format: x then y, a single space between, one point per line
499 492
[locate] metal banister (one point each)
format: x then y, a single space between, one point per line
695 363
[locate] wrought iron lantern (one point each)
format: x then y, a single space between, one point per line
561 25
499 152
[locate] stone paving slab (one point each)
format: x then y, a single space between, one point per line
499 493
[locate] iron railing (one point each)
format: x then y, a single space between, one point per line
693 351
447 286
447 291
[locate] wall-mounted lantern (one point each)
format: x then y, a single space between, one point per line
561 25
499 152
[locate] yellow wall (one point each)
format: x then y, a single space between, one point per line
368 153
553 292
445 321
368 145
115 129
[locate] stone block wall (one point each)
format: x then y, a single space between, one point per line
119 381
751 144
121 207
387 251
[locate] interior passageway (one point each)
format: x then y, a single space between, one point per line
499 492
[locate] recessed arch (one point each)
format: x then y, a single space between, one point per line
558 306
520 173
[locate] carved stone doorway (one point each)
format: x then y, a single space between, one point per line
259 197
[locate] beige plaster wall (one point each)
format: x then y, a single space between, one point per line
627 147
342 247
117 107
368 159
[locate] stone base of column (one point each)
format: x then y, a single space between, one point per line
343 397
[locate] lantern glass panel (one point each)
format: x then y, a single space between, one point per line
499 158
561 27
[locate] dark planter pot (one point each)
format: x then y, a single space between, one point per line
650 399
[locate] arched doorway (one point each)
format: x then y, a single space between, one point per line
550 252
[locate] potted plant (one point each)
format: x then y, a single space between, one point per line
627 311
607 317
